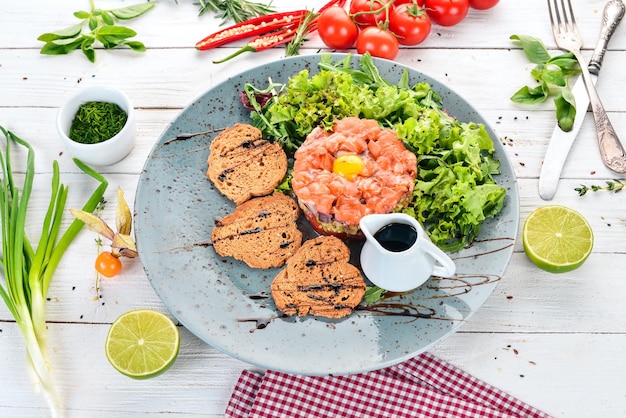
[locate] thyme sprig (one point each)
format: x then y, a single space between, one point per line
614 186
234 10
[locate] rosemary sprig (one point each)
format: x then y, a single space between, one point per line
234 10
293 47
614 186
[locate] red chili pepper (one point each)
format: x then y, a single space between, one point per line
251 27
259 26
266 41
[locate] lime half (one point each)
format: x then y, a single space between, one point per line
142 343
557 239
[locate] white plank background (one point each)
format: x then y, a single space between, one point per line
555 341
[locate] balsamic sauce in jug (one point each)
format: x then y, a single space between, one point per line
396 237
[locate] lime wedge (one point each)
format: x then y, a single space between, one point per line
142 343
557 239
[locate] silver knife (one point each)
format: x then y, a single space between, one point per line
561 141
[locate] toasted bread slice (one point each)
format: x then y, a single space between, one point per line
318 280
261 232
242 165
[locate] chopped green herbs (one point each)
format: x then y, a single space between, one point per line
454 191
552 74
96 122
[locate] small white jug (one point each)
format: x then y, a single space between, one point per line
397 255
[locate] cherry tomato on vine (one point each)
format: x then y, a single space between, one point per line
107 264
410 24
378 42
369 12
446 12
399 2
337 30
482 4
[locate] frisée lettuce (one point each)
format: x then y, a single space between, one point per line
455 191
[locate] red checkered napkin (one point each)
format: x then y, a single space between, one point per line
423 386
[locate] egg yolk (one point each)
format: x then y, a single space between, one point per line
348 166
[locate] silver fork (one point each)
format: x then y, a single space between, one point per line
568 38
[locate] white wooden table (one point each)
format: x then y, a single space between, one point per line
557 342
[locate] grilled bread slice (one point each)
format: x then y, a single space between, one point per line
242 165
318 280
261 232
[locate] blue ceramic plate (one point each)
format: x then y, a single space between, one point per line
225 303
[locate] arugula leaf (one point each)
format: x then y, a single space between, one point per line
103 29
553 74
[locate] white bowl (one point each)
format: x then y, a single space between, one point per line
103 153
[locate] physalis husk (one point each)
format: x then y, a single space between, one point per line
122 243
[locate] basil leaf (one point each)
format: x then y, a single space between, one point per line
61 46
135 46
93 22
112 36
554 77
538 71
565 109
565 61
87 47
534 49
81 14
107 18
528 95
70 32
130 12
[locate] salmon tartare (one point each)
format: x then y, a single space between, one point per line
354 170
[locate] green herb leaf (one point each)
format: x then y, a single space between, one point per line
112 36
61 46
81 14
93 22
555 77
135 46
130 12
87 48
534 49
565 109
69 32
565 62
373 294
108 18
531 95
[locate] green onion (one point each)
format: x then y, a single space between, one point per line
27 271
